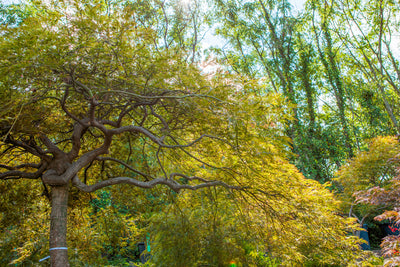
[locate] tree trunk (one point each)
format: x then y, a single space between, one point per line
329 61
58 226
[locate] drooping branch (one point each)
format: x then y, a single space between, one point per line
29 146
21 166
16 174
156 97
174 185
156 139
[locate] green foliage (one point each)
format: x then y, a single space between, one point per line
23 223
13 14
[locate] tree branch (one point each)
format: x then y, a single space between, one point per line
64 108
53 149
163 121
15 174
159 140
88 157
78 132
156 97
174 185
30 148
25 165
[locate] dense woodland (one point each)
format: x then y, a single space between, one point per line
216 133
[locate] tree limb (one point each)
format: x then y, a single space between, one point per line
174 185
165 96
15 174
78 132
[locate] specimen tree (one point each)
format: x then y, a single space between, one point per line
81 83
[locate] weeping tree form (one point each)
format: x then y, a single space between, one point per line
81 82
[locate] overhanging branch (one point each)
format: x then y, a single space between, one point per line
16 174
174 185
21 166
156 97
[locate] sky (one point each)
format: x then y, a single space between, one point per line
7 2
297 4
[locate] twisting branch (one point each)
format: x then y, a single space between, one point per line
52 148
15 174
122 114
78 132
109 122
64 108
88 157
22 166
174 185
30 148
86 91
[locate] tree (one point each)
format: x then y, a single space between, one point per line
367 32
364 176
82 80
213 227
386 196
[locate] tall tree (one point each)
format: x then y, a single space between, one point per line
328 58
267 40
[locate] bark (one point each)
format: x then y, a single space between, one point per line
333 74
58 226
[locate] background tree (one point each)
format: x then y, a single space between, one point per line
367 33
386 197
279 47
335 63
